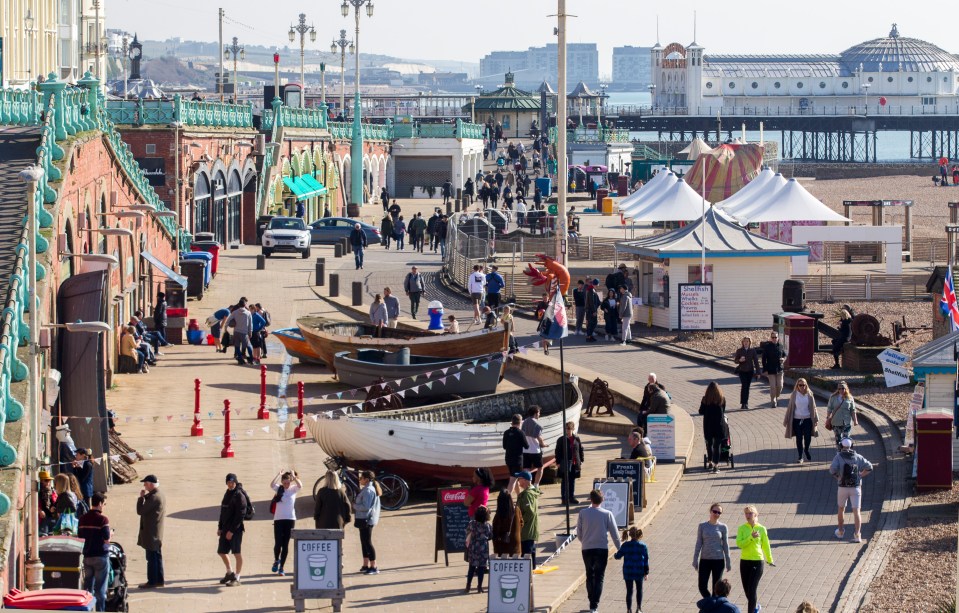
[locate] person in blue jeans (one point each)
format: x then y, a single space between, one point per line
94 528
494 285
358 242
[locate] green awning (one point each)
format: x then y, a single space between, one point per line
293 186
316 185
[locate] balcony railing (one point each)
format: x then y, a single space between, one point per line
188 112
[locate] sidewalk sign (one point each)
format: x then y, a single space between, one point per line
633 471
661 431
894 369
915 403
452 517
317 567
695 306
617 497
510 584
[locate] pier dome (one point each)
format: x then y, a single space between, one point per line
886 54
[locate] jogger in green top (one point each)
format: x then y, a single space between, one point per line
753 540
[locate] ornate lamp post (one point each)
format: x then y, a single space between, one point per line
342 43
122 52
302 28
356 150
238 52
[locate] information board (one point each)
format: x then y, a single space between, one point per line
894 369
631 470
661 431
451 521
510 580
317 567
695 306
616 498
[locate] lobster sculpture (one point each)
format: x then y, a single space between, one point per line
555 274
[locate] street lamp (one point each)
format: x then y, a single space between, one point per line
302 28
599 109
342 43
865 96
652 95
28 23
356 150
123 50
110 231
238 52
96 258
479 92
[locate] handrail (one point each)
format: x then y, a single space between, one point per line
192 113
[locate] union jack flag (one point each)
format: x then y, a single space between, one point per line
554 324
948 304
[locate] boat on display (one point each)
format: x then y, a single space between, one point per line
296 345
327 338
444 442
472 376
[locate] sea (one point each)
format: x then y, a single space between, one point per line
890 146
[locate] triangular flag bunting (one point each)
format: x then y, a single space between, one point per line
457 375
89 419
168 449
443 370
443 380
155 419
429 385
339 395
401 393
218 439
475 362
266 429
201 442
249 432
97 461
169 418
485 365
184 446
353 393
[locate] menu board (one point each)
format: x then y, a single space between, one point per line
616 497
452 519
631 470
510 585
695 306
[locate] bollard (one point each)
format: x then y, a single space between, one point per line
197 429
320 279
263 413
347 247
334 285
300 431
338 250
449 208
457 205
260 262
357 293
227 451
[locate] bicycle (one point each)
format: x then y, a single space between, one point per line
395 490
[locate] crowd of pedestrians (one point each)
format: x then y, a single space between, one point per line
245 326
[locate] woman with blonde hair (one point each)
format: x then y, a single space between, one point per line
82 506
753 540
379 315
366 509
841 412
802 418
747 367
332 509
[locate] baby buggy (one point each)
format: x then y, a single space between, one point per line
117 581
725 449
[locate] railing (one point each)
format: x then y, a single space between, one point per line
593 135
188 112
19 107
293 117
881 287
787 110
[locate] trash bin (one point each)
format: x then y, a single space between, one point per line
607 206
435 310
934 449
545 185
800 340
62 558
211 247
204 237
49 600
195 273
601 194
622 186
194 335
207 258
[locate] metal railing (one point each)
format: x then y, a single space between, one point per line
786 110
19 107
458 129
188 112
879 287
593 135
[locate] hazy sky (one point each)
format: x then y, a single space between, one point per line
461 30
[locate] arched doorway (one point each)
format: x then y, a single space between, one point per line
202 203
219 208
234 193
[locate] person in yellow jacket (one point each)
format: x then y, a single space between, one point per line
753 540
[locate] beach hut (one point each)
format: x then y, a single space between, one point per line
935 364
747 272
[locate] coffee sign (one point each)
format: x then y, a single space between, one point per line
317 567
509 585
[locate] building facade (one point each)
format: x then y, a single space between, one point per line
631 68
535 64
30 31
892 74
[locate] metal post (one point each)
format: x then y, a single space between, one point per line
357 293
323 84
300 431
561 164
320 277
220 80
334 285
227 451
197 429
263 413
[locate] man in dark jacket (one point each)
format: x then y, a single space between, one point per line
447 191
431 229
82 468
159 319
494 285
394 211
514 442
414 288
94 529
592 301
358 243
441 229
230 529
468 190
772 357
718 602
151 507
569 457
385 198
579 302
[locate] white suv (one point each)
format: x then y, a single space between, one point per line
286 234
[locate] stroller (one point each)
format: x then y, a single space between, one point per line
725 449
117 581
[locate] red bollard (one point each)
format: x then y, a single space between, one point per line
300 431
197 429
227 451
263 413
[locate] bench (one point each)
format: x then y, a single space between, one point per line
863 252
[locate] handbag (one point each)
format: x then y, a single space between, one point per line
276 500
828 422
67 523
361 522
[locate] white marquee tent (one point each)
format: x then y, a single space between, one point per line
677 202
761 186
695 148
648 191
791 202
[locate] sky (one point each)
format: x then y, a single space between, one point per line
466 31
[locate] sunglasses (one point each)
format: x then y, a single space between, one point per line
801 385
715 512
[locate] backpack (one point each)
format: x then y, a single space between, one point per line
849 477
250 511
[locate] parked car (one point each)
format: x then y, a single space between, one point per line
261 223
287 234
331 229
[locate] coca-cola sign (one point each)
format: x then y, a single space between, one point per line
457 496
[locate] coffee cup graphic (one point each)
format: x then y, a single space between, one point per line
614 503
508 586
317 565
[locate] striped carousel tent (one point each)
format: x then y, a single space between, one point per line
727 168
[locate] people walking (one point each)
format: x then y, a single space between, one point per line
719 601
592 302
635 556
384 198
160 319
331 510
477 284
366 509
417 231
379 315
747 366
358 243
753 540
414 288
610 315
447 191
392 307
527 501
802 419
285 485
399 232
507 526
711 555
230 528
569 462
386 230
94 528
478 496
625 307
841 412
773 357
579 304
151 507
593 525
515 445
478 535
494 285
242 321
533 454
713 409
849 468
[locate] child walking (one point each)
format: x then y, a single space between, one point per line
478 533
635 556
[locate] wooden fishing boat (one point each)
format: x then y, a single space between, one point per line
296 345
448 441
327 338
473 376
